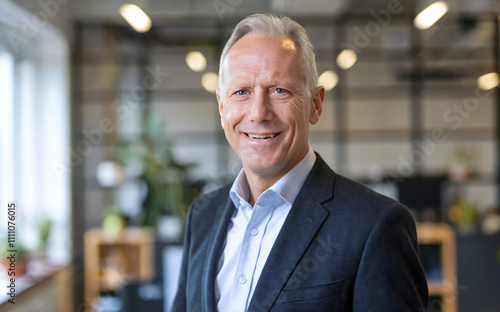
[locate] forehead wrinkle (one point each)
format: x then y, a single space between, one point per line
245 59
256 78
258 67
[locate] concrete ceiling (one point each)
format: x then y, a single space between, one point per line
63 12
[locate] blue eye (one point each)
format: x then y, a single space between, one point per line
241 92
280 91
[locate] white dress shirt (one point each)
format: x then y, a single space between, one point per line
252 233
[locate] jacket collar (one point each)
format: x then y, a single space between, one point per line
303 222
216 242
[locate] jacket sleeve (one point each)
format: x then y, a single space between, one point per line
390 276
179 304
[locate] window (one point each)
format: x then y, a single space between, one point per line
6 128
34 134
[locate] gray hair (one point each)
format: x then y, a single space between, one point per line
276 26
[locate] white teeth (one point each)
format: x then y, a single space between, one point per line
264 136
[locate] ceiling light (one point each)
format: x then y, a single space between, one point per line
136 17
328 79
488 81
210 81
346 59
196 61
430 15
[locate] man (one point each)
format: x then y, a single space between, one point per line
289 234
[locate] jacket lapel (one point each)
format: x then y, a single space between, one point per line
217 238
303 222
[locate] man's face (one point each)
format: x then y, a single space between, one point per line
264 105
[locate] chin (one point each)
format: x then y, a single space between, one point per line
264 168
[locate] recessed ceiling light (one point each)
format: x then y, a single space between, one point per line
136 17
210 81
346 59
430 15
328 79
488 81
196 61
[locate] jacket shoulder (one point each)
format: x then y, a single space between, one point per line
359 199
207 204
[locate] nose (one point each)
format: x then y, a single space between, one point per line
260 110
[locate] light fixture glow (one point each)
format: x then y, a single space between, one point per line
430 15
328 79
109 173
488 81
346 59
210 81
196 61
136 17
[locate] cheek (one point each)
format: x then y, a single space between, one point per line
298 114
230 117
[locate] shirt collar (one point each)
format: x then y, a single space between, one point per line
287 187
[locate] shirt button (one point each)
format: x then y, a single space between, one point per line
242 203
254 232
242 280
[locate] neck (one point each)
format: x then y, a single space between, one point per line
258 182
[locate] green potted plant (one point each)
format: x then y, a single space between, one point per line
114 220
44 230
161 174
462 165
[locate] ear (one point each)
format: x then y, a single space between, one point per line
317 104
221 107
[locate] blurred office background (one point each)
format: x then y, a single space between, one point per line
109 131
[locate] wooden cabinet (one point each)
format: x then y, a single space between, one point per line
442 236
113 260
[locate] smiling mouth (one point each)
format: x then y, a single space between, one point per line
261 136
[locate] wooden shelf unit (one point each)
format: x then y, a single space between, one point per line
112 260
443 235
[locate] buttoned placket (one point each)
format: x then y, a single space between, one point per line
254 234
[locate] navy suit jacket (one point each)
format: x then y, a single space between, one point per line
342 247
